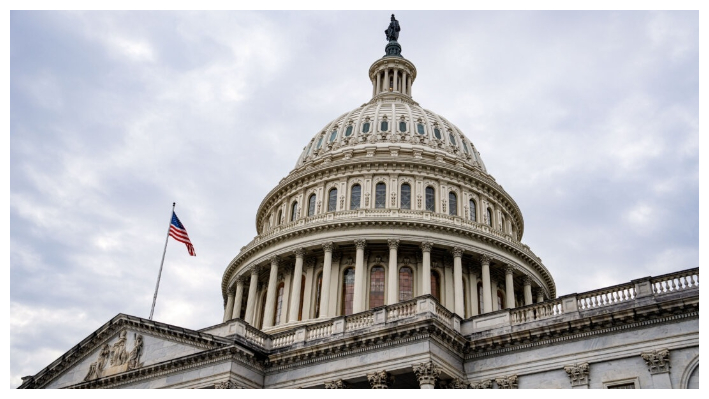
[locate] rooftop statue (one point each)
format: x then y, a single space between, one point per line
392 31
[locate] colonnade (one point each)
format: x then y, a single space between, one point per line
452 294
392 80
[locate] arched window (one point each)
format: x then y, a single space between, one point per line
406 284
380 196
318 294
402 127
452 139
311 205
480 298
302 295
317 147
365 127
420 129
437 133
280 213
347 291
294 212
355 196
430 199
452 204
500 300
332 200
384 126
376 287
489 217
279 304
333 136
465 147
472 210
348 131
405 196
435 284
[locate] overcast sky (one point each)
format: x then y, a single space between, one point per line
589 120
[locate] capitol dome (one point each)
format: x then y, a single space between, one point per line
386 203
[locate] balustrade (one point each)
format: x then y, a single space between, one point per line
606 296
401 310
442 314
283 339
321 330
537 311
360 320
674 282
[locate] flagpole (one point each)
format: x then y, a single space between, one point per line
155 297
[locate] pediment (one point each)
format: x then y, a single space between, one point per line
123 344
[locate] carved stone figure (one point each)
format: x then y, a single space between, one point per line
118 350
134 356
96 368
392 31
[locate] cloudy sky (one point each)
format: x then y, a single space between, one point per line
588 119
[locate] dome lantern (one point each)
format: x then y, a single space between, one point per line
392 74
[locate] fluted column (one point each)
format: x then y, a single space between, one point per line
473 279
308 291
527 291
427 373
458 281
271 294
229 306
509 287
487 291
426 250
358 298
326 273
295 288
238 297
393 283
251 301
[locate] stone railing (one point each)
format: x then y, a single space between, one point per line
283 339
359 321
320 330
401 310
606 296
674 282
255 336
443 314
537 311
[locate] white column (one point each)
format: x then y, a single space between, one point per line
251 301
379 82
325 289
473 280
396 80
448 299
238 297
540 295
408 86
229 306
458 281
308 293
386 80
426 249
374 88
271 294
358 299
295 288
487 292
527 291
509 287
335 283
393 283
403 82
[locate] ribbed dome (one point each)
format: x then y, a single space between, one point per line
392 122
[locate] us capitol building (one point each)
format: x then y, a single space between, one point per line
390 258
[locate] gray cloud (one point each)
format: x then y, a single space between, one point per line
588 119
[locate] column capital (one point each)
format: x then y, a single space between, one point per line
427 373
299 252
485 260
484 384
380 379
509 382
360 243
310 262
509 269
578 374
457 252
254 270
393 243
274 261
426 246
457 383
328 247
527 280
337 384
240 279
658 361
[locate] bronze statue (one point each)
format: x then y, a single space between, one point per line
392 31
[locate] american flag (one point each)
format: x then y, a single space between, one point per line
178 232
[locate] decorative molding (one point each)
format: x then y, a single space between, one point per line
483 384
508 382
457 383
457 252
485 259
393 243
337 384
426 246
360 243
274 261
228 384
380 379
578 373
299 252
427 373
658 361
328 246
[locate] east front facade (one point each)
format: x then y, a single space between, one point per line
390 258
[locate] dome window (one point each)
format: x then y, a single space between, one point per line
311 205
452 204
437 133
332 200
430 199
365 127
472 211
465 147
348 131
384 126
355 196
405 196
402 127
333 136
294 212
452 138
380 196
420 129
317 147
489 217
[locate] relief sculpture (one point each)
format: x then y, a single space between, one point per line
117 358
